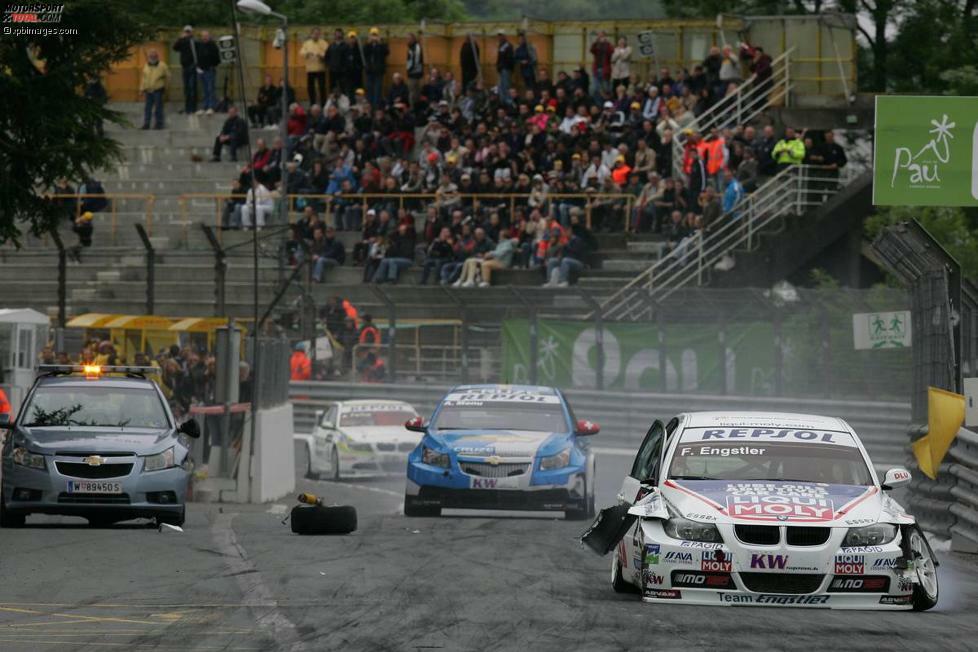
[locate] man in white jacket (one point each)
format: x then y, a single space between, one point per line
261 201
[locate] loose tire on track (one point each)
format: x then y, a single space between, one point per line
319 519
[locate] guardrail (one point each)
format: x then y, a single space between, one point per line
792 191
949 505
624 417
588 202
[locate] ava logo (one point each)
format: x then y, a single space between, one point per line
679 557
924 167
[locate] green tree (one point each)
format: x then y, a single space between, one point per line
955 228
48 129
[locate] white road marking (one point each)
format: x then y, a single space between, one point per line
362 487
277 508
253 589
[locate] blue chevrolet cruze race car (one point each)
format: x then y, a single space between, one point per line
507 447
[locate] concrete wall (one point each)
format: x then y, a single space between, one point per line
273 464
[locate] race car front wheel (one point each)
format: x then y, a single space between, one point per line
925 590
8 519
618 582
310 474
413 509
334 465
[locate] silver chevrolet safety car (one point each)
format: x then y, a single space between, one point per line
361 438
763 509
96 442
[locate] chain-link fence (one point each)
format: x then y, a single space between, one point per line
783 342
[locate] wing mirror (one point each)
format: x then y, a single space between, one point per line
586 428
416 424
190 428
5 421
896 477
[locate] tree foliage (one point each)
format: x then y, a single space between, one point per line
47 127
955 228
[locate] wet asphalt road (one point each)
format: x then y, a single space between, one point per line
238 579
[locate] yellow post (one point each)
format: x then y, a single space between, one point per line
818 55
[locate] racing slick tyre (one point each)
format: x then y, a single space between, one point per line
320 519
582 514
411 509
618 582
310 474
334 465
925 590
8 519
173 519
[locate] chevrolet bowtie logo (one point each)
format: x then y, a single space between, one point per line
494 460
94 460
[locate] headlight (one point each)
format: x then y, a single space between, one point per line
871 535
159 461
558 461
682 528
434 458
26 458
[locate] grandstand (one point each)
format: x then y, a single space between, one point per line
168 185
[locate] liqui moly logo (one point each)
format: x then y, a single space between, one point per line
780 508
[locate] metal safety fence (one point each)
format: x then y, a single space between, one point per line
625 417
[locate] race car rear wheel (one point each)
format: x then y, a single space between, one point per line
8 519
925 590
413 509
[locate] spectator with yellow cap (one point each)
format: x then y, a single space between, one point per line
375 54
352 64
313 53
83 228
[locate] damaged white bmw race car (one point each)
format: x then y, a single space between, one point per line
763 509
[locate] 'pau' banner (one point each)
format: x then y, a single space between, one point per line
634 355
926 151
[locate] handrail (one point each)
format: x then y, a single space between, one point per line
792 191
741 106
149 200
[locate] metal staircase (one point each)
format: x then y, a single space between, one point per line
740 107
793 191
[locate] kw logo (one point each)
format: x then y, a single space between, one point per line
483 483
768 561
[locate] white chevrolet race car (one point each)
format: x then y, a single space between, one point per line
763 509
361 438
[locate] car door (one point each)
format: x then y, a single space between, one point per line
613 522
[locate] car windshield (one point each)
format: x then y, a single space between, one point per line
766 460
501 409
376 417
95 405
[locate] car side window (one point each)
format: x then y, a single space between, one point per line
329 419
646 464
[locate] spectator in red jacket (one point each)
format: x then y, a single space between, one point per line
601 50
